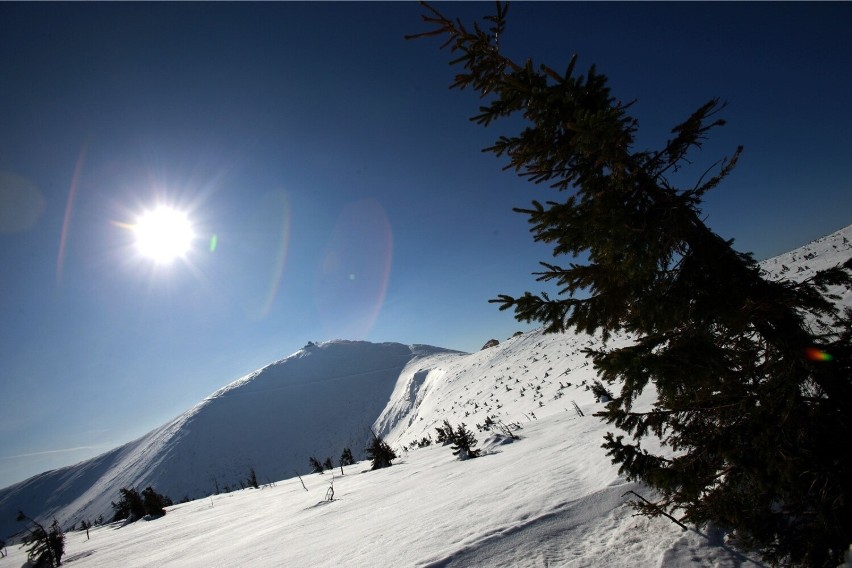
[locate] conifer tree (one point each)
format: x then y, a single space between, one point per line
155 503
133 506
463 443
750 419
252 479
316 465
130 505
46 546
379 452
346 458
445 432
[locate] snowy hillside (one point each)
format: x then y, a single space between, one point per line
314 403
550 498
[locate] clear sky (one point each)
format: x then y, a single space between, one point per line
334 186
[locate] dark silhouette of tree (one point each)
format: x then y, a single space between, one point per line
252 479
132 505
155 504
379 452
346 458
328 464
463 443
602 394
316 465
750 417
445 433
45 546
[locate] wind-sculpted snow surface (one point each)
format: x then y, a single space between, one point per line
314 403
549 498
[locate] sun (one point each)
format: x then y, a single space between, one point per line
163 234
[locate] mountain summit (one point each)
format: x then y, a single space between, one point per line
329 396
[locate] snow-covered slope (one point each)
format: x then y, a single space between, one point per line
552 498
314 403
548 499
531 376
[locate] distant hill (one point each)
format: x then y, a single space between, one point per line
313 403
329 396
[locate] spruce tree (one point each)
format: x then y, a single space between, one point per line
379 452
46 546
463 443
155 503
133 506
445 433
252 479
130 505
749 418
316 465
346 458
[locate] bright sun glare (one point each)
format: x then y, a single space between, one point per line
163 234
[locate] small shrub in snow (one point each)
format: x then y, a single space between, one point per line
316 466
463 443
252 479
154 502
602 394
379 452
129 506
133 506
328 464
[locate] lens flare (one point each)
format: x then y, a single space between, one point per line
280 259
353 277
816 354
69 208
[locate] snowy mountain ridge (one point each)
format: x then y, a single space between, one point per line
329 395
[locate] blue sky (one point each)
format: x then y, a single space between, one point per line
342 180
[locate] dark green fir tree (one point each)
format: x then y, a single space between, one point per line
750 423
379 452
346 458
156 503
463 443
316 465
45 546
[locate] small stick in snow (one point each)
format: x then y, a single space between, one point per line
300 479
577 408
329 495
660 511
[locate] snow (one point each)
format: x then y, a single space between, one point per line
550 498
